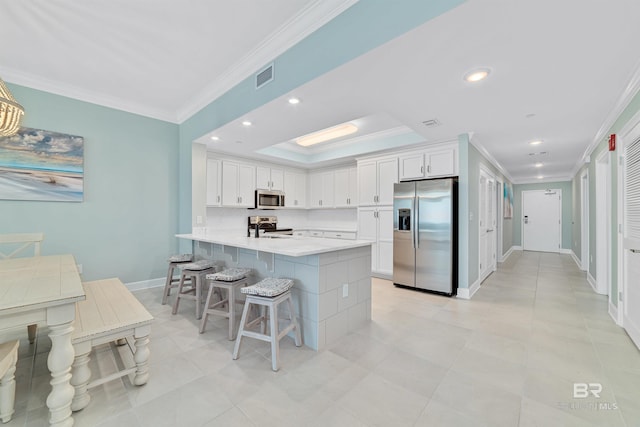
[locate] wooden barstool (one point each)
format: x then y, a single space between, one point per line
268 293
8 359
172 282
228 280
190 286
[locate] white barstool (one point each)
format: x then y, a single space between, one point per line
190 285
172 282
230 280
268 293
8 359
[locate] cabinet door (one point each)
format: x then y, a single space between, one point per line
277 179
230 184
367 230
441 163
411 166
246 185
327 189
213 183
367 183
387 176
315 190
353 188
263 178
341 188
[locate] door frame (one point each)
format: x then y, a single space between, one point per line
603 225
559 191
584 218
499 217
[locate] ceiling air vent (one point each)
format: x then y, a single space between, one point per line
265 76
431 123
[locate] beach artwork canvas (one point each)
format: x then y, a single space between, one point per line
38 164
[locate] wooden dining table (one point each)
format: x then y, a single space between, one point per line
44 290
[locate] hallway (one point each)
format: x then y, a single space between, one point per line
509 357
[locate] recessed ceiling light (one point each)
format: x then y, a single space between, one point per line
536 142
538 165
215 138
246 123
540 176
294 101
326 134
477 75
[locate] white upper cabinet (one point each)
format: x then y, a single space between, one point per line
214 183
375 181
238 184
411 166
441 162
295 189
346 188
269 178
321 189
429 163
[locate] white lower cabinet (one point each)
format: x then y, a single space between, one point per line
376 224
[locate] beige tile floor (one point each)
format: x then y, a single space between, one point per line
509 357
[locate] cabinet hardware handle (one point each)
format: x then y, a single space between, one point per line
217 198
429 168
421 169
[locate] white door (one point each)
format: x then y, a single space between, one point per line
487 224
631 235
541 220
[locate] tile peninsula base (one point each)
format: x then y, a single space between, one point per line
332 291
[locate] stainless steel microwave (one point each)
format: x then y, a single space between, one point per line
269 199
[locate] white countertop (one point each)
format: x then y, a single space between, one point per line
289 245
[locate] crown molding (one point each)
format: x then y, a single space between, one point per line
623 102
476 143
74 92
310 19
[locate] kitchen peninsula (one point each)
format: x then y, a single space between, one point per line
332 290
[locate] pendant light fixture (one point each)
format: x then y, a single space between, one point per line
10 112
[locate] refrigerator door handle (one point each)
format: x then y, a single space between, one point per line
415 236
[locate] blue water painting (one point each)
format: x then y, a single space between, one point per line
38 164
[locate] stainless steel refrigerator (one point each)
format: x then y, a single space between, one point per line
425 235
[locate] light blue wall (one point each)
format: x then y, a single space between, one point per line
364 26
125 225
567 209
470 160
463 211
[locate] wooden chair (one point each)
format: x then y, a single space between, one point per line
27 239
8 359
24 240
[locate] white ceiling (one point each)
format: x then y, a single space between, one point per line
561 71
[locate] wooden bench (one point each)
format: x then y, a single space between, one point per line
110 313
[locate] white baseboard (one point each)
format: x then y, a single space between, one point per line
576 260
467 293
613 312
505 256
565 251
632 331
145 284
516 248
592 282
